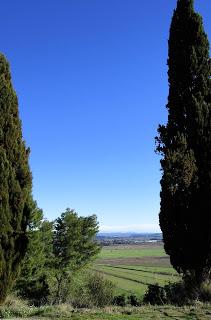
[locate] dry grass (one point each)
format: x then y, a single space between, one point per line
18 309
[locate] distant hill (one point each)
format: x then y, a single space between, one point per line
129 235
127 238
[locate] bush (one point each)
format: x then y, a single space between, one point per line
134 300
120 300
175 293
100 290
205 291
181 293
92 290
123 300
36 291
155 295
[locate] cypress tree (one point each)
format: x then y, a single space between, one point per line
185 145
15 184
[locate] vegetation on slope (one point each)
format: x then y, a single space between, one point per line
15 308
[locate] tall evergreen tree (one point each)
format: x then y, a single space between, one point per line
15 184
185 146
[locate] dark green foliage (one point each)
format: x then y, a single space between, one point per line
205 291
176 294
155 295
74 246
120 300
134 300
123 300
73 242
185 146
35 290
180 293
56 252
33 281
15 184
34 260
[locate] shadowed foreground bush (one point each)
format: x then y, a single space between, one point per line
181 293
123 300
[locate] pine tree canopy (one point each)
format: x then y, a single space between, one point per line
73 242
185 146
15 184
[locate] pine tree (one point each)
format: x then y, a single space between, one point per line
15 184
185 146
74 247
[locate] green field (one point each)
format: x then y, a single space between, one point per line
130 252
132 268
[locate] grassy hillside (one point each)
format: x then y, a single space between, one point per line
134 267
64 312
131 272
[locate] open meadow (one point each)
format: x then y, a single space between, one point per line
133 267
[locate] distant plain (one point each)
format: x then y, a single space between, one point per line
133 267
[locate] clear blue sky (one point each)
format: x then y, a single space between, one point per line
92 86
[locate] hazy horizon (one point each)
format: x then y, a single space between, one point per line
129 228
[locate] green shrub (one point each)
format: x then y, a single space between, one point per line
180 293
80 298
123 300
90 289
120 300
93 290
134 300
155 295
100 290
36 291
173 293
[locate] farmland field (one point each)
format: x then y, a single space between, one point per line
133 267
